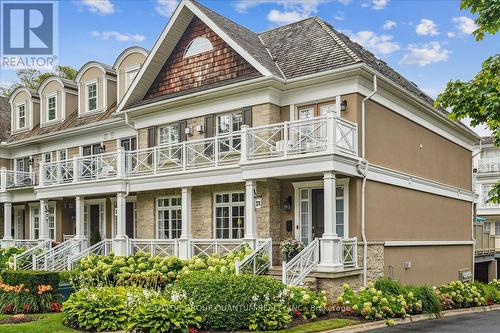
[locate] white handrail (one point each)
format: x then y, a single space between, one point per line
349 247
102 248
19 179
57 258
208 247
154 247
301 265
258 261
25 260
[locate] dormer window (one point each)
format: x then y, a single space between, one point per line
91 99
130 74
197 46
21 116
51 108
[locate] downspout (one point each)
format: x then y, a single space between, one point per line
363 169
474 214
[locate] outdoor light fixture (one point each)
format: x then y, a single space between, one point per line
343 105
103 148
30 161
287 205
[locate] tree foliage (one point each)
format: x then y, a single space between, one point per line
478 99
488 20
32 78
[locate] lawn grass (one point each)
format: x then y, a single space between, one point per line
50 323
318 326
53 323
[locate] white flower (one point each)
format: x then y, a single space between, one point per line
255 298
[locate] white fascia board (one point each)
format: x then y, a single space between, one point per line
428 243
397 178
98 187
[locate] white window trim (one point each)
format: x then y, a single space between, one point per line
58 157
87 84
18 118
199 38
127 71
319 184
31 217
170 208
47 97
227 204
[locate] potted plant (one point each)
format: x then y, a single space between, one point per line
291 247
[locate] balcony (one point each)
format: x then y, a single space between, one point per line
488 164
15 179
287 140
485 241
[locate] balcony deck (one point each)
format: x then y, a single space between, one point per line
324 135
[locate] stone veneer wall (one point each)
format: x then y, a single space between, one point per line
375 260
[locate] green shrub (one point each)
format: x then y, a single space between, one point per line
160 314
227 301
305 303
457 294
429 298
106 308
146 271
31 279
391 287
269 316
7 256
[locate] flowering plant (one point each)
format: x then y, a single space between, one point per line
290 246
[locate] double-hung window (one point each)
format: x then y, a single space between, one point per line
169 220
168 142
486 188
51 108
130 74
229 215
21 116
228 126
92 97
497 228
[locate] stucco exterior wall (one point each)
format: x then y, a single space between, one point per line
91 74
135 58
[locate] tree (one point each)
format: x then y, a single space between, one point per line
488 20
32 78
479 98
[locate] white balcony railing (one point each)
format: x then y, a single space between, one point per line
488 164
326 134
15 179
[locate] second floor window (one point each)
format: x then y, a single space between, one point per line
485 195
168 137
227 124
51 108
92 97
21 116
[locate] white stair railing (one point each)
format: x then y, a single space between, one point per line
154 247
26 243
25 260
208 247
57 258
102 248
258 261
301 265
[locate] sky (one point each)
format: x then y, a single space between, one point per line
427 41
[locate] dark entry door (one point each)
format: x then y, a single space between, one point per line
94 215
318 213
129 226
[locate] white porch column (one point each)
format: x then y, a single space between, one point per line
79 216
120 240
330 242
44 220
186 233
250 220
7 240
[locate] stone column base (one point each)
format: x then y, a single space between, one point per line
120 246
183 248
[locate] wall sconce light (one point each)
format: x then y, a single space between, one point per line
103 148
343 105
30 161
287 204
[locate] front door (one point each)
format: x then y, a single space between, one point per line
129 215
318 213
94 218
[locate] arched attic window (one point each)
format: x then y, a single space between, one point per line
197 46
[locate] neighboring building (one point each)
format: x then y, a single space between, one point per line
220 136
487 220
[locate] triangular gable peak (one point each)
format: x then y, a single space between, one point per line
218 65
187 15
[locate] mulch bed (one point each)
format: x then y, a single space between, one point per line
19 319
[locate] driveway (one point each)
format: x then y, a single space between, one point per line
474 322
